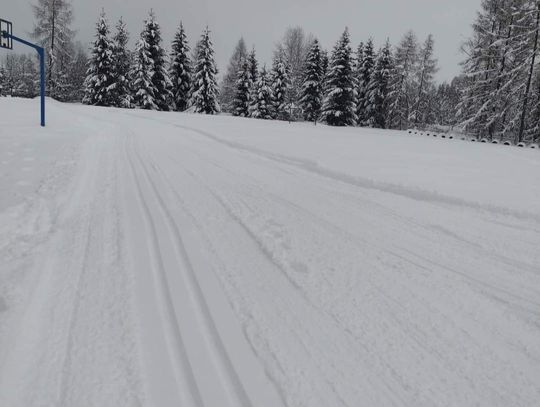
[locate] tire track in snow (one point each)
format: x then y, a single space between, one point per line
182 367
226 369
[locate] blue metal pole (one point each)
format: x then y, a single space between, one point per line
41 53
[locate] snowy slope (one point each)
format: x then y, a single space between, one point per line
164 259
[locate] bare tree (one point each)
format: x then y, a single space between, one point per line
295 46
52 30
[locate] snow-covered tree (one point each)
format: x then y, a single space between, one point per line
180 70
121 87
402 89
11 73
324 64
25 78
294 48
312 87
151 80
2 81
253 67
99 77
280 86
204 98
240 103
339 107
446 101
424 82
378 88
228 85
52 30
500 70
76 74
365 71
261 101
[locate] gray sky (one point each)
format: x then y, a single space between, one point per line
263 22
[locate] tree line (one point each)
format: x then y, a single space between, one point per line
497 95
500 84
382 88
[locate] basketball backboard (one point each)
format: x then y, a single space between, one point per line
6 42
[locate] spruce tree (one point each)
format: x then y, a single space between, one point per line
99 77
324 65
121 92
357 70
365 70
339 103
280 86
151 80
261 101
180 71
378 89
253 74
204 98
240 103
312 86
253 67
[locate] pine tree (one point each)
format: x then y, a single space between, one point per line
253 74
358 65
180 71
121 91
205 91
365 71
240 103
378 88
324 65
280 86
261 103
339 104
312 87
253 67
151 80
228 85
99 77
144 93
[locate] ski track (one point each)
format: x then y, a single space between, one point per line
236 392
162 263
422 262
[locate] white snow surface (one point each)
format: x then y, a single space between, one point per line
166 259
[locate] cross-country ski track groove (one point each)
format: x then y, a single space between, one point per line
233 385
182 367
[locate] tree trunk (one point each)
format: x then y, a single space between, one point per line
529 79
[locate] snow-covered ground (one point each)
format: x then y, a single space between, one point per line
165 259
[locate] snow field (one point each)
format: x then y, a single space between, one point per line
173 259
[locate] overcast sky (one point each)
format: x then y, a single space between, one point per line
262 22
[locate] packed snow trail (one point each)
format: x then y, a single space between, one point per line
158 259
